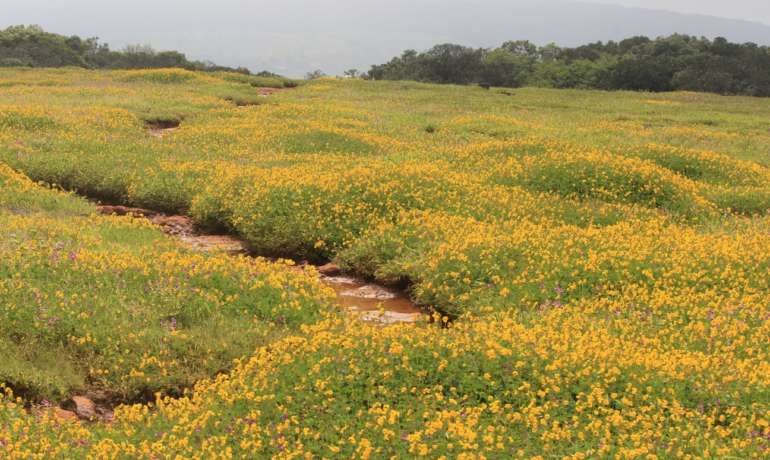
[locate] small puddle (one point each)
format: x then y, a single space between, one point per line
368 301
372 302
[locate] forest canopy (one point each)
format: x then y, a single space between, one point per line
677 62
31 46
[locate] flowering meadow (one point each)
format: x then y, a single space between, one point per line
594 267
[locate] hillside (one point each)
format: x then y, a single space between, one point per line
591 269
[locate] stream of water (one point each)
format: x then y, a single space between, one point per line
368 301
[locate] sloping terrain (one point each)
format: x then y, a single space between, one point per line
596 264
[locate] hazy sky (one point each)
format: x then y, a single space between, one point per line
753 10
296 36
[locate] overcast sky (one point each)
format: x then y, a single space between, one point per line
753 10
295 36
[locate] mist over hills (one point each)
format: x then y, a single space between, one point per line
388 31
295 36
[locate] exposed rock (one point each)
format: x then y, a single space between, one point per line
106 415
62 414
370 302
214 243
389 317
96 406
174 225
82 406
330 270
370 291
340 281
125 211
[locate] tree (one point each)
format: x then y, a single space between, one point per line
501 67
450 63
512 64
641 73
549 53
404 67
523 48
315 75
34 47
637 63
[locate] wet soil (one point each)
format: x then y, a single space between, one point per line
372 302
269 91
160 132
368 301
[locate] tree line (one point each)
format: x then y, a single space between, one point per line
31 46
677 62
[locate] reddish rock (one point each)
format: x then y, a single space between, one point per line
106 415
329 270
174 225
83 407
62 414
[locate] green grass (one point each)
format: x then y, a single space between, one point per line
147 298
597 263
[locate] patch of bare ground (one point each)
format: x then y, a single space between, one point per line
161 127
181 227
94 407
269 91
160 132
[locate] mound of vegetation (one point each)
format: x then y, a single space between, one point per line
678 62
607 178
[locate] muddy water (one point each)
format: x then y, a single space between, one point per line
368 301
372 302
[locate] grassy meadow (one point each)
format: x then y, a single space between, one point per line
596 265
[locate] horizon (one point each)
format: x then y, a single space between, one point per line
298 37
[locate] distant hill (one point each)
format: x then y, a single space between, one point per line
375 31
295 36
